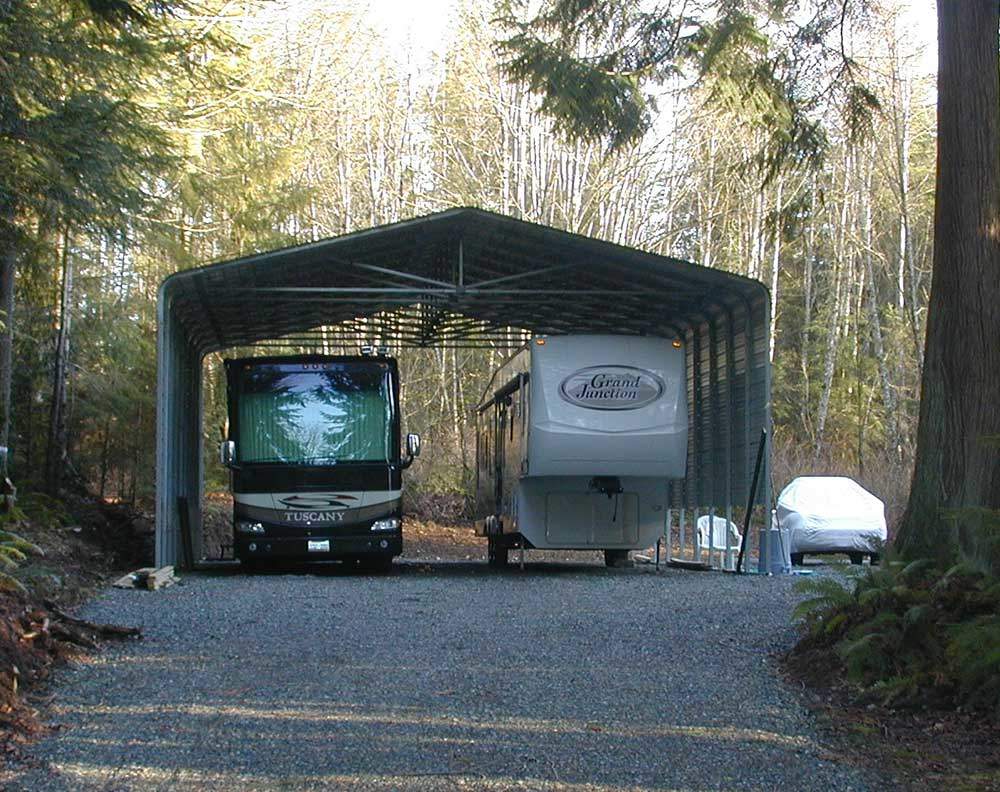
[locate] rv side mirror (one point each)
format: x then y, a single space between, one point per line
412 449
227 453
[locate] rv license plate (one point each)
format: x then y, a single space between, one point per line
319 545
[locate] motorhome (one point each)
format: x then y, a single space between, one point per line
577 438
313 449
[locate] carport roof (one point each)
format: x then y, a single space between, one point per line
457 276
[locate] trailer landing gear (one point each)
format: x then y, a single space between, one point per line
497 552
618 559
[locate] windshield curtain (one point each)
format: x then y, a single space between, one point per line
338 414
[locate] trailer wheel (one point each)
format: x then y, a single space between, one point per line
857 559
798 559
616 558
253 566
377 564
496 553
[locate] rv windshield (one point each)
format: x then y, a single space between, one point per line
294 415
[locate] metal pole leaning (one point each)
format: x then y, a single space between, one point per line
750 499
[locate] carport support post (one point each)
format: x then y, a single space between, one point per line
196 452
696 430
716 413
178 435
167 353
731 439
766 487
762 544
747 465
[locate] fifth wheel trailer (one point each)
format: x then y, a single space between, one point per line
577 439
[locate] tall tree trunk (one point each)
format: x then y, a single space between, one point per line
105 445
839 305
807 301
892 441
136 458
8 259
56 448
871 299
775 269
955 467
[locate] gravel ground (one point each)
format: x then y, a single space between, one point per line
436 677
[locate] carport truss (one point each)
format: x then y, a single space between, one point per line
463 277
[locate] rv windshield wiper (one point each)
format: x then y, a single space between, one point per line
285 461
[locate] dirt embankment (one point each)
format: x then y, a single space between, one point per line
924 748
85 542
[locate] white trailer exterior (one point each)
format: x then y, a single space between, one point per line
578 437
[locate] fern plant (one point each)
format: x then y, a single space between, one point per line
974 653
14 550
910 633
827 608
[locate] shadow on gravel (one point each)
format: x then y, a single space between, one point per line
440 675
418 567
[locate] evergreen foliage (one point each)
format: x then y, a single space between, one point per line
596 64
912 633
14 550
236 129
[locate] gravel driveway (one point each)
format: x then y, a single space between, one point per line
437 677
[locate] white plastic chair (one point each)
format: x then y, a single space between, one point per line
713 539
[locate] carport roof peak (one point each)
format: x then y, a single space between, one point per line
457 276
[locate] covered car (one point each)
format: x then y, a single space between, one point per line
831 514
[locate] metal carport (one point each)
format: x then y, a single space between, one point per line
464 276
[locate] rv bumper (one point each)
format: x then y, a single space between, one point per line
320 548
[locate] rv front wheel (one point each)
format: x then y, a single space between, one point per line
496 553
616 558
377 564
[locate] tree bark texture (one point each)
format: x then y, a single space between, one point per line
55 457
956 466
8 260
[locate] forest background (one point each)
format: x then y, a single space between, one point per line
229 128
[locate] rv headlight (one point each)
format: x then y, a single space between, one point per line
250 527
388 524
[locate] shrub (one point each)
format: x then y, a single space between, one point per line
14 549
911 633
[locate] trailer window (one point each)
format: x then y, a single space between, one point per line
338 414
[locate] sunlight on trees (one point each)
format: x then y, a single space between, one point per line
244 127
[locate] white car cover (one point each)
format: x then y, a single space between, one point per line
831 513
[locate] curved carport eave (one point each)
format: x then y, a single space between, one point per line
447 273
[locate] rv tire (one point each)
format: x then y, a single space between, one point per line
496 552
616 558
377 564
253 566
